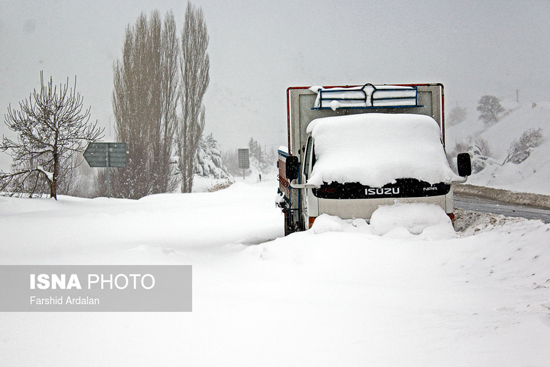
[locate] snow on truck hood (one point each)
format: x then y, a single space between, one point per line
376 149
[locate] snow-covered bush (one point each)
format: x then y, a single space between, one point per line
521 148
479 160
480 153
221 185
484 147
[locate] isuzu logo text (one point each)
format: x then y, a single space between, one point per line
382 191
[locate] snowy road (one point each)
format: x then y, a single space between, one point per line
342 294
510 210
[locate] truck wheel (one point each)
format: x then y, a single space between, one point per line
287 230
287 225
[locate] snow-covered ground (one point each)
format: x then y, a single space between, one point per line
530 176
341 294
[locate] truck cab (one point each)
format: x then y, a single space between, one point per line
353 149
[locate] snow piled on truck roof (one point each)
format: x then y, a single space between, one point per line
376 149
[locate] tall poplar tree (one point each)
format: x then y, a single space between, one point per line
195 66
145 97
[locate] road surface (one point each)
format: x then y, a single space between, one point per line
510 210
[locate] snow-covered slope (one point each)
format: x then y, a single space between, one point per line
531 175
342 294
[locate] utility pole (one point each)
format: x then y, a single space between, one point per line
517 95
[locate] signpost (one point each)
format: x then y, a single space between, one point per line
106 155
244 160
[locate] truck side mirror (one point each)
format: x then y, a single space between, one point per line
464 164
292 167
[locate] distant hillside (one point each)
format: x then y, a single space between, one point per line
494 142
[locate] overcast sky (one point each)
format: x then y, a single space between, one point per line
259 48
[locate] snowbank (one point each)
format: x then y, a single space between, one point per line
418 220
414 218
520 198
376 149
339 295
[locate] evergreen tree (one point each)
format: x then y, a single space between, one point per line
209 162
490 109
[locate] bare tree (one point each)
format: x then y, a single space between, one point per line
195 65
51 125
144 102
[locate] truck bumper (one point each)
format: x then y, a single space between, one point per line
363 208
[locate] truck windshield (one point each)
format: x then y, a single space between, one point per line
309 159
375 149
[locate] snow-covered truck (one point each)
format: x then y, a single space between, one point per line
352 149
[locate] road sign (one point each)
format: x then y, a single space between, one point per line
106 155
244 161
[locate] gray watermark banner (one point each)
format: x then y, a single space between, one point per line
95 288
